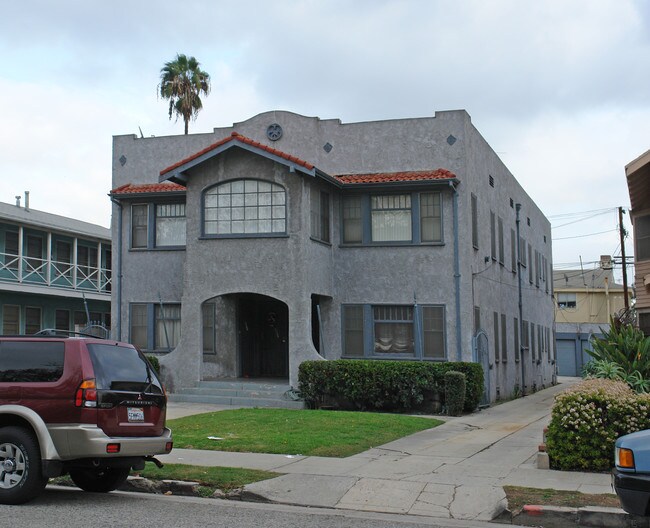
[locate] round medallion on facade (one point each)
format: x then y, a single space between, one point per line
274 132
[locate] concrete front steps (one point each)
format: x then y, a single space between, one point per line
240 393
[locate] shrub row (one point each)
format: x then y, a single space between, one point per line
384 385
587 419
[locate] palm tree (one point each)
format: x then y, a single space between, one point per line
183 82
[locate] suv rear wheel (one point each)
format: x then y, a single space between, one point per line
100 480
21 476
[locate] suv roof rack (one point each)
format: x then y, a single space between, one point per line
53 332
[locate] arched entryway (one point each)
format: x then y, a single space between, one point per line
263 336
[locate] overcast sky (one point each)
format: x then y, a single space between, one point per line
559 88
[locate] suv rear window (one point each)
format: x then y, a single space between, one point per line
122 369
31 361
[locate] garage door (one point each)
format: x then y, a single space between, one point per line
566 357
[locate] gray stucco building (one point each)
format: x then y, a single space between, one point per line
283 238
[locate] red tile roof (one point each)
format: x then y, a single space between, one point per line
131 188
386 177
235 136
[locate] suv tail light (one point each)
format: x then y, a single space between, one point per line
86 395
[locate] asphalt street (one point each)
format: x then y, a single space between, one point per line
71 508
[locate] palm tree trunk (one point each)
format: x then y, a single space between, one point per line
187 122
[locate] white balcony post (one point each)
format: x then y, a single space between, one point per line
48 271
99 266
20 254
74 263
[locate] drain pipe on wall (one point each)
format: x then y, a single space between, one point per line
521 309
118 289
459 348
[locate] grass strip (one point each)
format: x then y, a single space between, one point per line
294 432
224 478
518 497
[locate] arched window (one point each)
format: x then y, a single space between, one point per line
245 207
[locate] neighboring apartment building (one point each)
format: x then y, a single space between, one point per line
586 301
54 271
245 251
638 182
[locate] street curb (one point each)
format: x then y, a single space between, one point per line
590 516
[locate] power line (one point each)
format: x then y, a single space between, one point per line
588 235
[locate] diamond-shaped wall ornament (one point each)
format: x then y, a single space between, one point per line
451 139
327 147
122 160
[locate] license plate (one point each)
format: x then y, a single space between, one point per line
135 414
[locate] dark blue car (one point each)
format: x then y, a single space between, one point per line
631 476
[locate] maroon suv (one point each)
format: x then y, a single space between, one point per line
82 406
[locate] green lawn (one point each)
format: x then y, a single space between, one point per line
294 432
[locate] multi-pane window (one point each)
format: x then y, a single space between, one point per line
533 343
477 319
87 262
32 320
530 262
474 222
386 218
493 236
63 258
642 237
245 207
320 215
11 319
501 241
433 325
62 319
397 331
138 334
167 326
430 217
11 250
496 335
504 340
516 334
352 223
208 314
353 330
522 249
34 253
513 251
393 329
170 224
391 218
566 300
139 226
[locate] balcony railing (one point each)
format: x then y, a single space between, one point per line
65 275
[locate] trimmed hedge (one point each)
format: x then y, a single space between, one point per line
384 385
588 418
455 392
154 362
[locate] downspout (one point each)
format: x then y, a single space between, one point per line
521 308
118 275
459 348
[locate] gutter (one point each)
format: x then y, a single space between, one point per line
118 276
459 348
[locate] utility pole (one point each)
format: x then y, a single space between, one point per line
621 231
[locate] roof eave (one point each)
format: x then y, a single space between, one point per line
179 174
401 184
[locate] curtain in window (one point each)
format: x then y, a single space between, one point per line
170 225
391 218
393 329
168 325
433 332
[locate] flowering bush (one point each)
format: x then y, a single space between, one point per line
588 418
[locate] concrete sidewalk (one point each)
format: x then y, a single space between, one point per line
456 470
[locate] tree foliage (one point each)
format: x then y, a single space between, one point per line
183 82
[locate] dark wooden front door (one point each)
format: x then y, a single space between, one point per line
263 326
